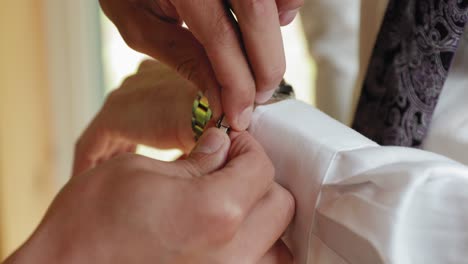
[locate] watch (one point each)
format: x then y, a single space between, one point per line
201 112
201 115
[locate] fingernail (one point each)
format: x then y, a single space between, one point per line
287 17
263 97
243 120
210 142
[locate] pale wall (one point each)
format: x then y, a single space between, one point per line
25 134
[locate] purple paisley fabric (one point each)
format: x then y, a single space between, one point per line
408 68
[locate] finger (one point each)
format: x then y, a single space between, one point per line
149 65
287 17
214 27
261 34
121 148
288 5
88 150
278 254
287 10
171 44
131 148
263 226
154 108
209 154
82 164
115 147
245 178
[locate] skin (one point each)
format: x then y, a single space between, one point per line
203 209
234 62
152 107
124 208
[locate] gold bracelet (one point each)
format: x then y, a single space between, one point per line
201 115
201 112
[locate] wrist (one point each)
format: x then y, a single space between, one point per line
32 252
44 247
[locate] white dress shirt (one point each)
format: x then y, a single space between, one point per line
357 202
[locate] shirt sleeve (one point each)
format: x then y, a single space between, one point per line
358 202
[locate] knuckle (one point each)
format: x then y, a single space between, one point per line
128 82
237 94
224 223
265 165
289 4
114 94
220 221
249 89
114 98
123 161
189 69
267 174
223 34
133 36
241 82
245 143
148 64
285 200
269 170
132 171
289 201
266 169
270 77
299 3
256 6
84 143
192 168
294 4
129 161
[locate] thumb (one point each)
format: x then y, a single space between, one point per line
211 151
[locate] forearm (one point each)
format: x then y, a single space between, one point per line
31 254
45 246
37 250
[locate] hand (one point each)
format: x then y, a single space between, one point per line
133 209
152 107
212 53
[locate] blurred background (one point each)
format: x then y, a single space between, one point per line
58 59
